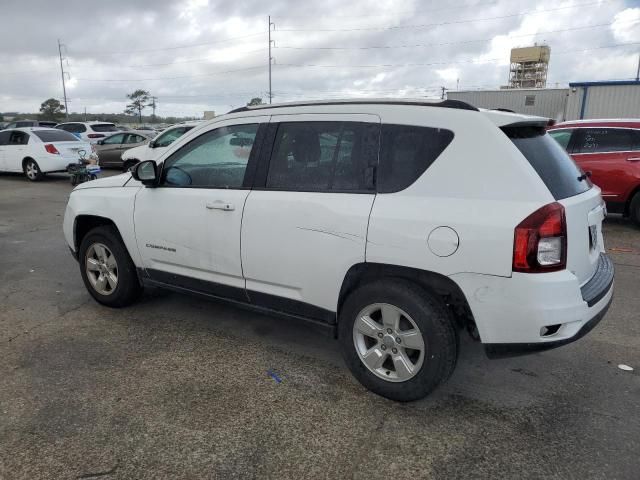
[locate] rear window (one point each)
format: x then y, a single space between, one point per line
55 136
47 124
554 166
104 127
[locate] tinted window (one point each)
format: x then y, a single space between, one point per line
598 140
104 127
23 124
406 153
11 125
4 137
636 139
114 139
216 159
72 127
47 124
323 156
55 136
554 166
562 137
18 138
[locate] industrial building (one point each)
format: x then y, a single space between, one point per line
614 99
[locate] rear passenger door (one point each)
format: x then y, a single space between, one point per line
604 152
111 149
305 220
15 150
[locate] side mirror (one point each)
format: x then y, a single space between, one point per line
146 172
152 144
100 142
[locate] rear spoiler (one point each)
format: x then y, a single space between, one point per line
537 122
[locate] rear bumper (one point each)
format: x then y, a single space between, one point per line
532 312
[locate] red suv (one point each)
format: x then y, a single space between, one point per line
610 150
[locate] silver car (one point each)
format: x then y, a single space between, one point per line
110 149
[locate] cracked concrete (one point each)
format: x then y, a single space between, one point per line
179 387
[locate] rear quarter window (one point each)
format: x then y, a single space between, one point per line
406 152
552 163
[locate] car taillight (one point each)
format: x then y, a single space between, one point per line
540 241
51 148
95 135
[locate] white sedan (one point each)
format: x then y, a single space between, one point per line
36 151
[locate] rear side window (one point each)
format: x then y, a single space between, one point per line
18 138
24 124
601 140
406 152
324 156
55 136
104 127
554 166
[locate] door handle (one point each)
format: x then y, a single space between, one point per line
220 205
633 159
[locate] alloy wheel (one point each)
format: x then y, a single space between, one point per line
101 268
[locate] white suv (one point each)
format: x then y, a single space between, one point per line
89 131
397 224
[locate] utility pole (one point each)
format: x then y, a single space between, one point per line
443 91
153 105
638 71
270 58
64 88
85 114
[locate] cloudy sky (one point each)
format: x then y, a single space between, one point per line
197 55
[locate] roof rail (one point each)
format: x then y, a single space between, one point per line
458 104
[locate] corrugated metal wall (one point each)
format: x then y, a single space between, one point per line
548 102
606 101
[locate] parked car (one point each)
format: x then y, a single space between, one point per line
610 151
30 123
158 145
396 224
37 151
109 150
89 131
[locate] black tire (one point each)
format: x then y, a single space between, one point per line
32 170
128 287
128 164
432 318
634 209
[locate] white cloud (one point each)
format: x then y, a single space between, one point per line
626 25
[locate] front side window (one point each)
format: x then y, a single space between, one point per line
167 138
406 153
601 140
216 159
562 137
324 156
114 139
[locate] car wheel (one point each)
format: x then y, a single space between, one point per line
107 269
634 209
128 164
32 170
397 339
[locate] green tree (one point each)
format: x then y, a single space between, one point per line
255 101
139 101
51 109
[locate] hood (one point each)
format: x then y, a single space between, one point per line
106 182
139 152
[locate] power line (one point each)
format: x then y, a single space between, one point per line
170 78
385 65
585 27
451 22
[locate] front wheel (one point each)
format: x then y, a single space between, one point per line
32 170
107 269
397 339
634 209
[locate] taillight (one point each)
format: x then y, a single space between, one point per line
51 148
540 241
95 135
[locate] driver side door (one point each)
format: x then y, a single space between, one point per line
110 149
188 228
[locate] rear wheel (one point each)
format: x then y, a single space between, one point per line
634 209
32 170
107 269
397 339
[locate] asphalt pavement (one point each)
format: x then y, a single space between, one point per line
182 387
